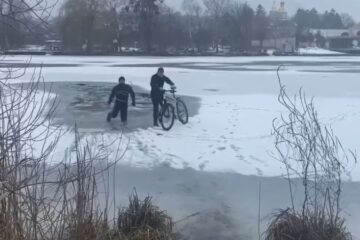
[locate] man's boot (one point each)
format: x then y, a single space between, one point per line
108 118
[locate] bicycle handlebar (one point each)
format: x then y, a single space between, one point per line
170 91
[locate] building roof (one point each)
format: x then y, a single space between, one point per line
330 32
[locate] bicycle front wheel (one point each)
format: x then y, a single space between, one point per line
182 112
167 116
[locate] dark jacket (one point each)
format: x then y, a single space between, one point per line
121 93
158 82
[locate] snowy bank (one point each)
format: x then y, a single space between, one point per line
317 51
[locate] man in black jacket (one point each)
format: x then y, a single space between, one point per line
121 94
157 91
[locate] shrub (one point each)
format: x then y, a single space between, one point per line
143 220
289 225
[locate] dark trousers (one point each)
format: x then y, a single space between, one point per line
122 108
157 101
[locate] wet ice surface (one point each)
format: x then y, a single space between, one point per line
85 103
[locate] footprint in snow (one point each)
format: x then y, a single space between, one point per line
240 157
203 165
259 172
256 159
235 148
221 148
243 159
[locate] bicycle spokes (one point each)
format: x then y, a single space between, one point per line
167 116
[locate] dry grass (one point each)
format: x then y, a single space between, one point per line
311 152
142 220
288 225
61 201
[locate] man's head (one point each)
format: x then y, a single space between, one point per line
160 72
121 80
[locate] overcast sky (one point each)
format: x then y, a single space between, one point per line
343 6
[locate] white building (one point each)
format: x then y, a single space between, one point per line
339 39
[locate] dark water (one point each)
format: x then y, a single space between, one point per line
85 103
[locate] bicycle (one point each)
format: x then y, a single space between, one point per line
170 105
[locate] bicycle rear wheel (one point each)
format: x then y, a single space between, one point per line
182 111
167 116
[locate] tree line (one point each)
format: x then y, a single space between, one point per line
151 25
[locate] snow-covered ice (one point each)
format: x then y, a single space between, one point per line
316 51
232 131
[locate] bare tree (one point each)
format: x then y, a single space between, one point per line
311 151
117 9
146 10
193 13
216 9
40 199
79 19
40 9
27 139
16 17
347 20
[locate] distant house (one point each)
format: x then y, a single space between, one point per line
284 45
54 46
280 35
346 40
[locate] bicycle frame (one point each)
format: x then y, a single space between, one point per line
174 102
171 98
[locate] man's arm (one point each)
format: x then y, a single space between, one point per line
153 83
132 93
168 81
112 95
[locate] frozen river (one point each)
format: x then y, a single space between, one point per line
233 102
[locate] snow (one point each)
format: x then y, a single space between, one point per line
316 51
232 131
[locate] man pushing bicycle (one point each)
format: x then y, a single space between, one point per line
157 91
